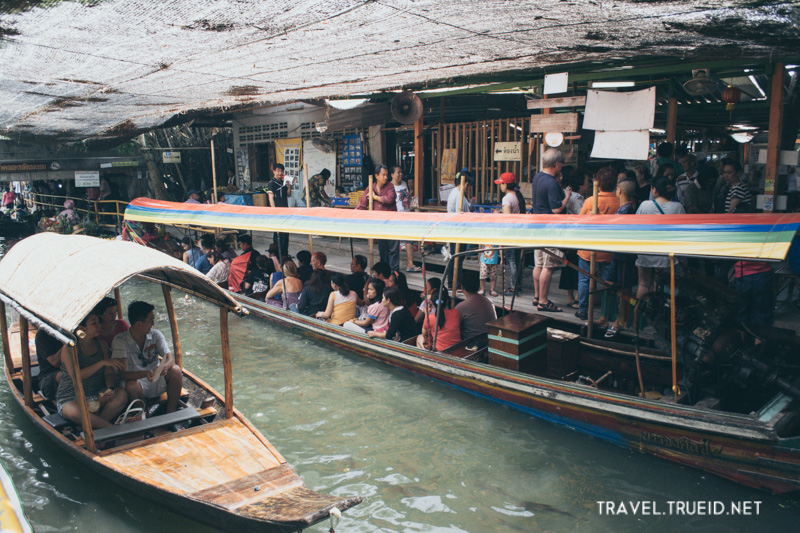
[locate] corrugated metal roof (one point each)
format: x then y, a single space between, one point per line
115 67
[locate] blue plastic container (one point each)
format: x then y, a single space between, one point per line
239 199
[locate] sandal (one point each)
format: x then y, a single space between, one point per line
574 304
414 269
549 307
535 302
493 293
611 332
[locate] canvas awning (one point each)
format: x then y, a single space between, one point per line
752 236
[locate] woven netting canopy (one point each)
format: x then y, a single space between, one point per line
113 68
60 278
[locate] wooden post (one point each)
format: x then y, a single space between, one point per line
6 343
774 136
213 172
308 204
118 298
419 159
673 341
369 206
80 398
672 120
592 267
461 188
25 351
173 325
226 361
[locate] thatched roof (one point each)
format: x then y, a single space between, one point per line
60 278
112 68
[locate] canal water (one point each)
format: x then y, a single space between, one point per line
424 457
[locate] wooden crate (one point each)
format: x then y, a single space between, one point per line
518 341
562 353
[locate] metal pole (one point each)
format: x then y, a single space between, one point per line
308 204
213 172
459 208
371 241
592 267
674 342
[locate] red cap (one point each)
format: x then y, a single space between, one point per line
506 177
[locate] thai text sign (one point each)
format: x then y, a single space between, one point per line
87 178
171 157
508 151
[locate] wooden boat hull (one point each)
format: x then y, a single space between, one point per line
121 465
743 448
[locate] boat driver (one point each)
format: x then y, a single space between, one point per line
151 369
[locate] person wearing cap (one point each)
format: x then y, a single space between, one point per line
452 207
316 188
192 197
513 203
548 198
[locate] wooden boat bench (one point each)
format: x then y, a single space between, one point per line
183 415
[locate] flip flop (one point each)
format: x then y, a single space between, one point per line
414 269
574 304
493 293
549 307
611 332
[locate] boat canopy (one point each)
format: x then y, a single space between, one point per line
746 236
60 278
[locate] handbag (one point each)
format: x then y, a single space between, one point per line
133 413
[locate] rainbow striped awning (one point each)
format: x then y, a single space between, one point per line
751 236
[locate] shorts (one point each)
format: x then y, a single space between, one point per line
153 389
544 260
488 272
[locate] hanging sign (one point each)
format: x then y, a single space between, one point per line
87 178
508 151
171 157
560 122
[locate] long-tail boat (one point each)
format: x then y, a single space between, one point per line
205 460
696 393
12 516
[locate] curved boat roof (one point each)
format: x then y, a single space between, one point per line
60 278
747 236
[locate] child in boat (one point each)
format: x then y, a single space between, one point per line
446 329
143 351
376 316
341 302
490 258
401 322
97 374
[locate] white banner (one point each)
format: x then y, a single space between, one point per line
621 144
610 111
87 178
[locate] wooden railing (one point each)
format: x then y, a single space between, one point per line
109 213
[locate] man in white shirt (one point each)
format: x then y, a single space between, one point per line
151 369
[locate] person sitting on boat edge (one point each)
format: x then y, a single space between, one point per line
304 269
401 323
431 293
140 349
97 374
110 324
341 302
476 311
286 292
357 278
314 296
48 353
376 316
219 269
194 256
446 328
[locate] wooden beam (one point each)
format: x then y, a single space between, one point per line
561 122
173 325
419 160
6 343
118 298
25 352
672 120
80 398
774 136
308 204
566 101
226 361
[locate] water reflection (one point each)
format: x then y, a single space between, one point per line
423 456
